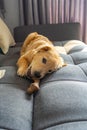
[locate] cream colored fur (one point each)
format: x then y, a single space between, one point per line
38 57
2 73
68 46
6 38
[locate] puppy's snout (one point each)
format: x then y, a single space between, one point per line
37 74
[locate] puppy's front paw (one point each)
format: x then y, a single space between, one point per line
61 63
32 88
21 72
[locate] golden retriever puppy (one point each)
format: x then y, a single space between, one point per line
38 57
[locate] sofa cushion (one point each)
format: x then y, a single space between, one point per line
60 102
15 105
15 108
63 95
80 125
3 129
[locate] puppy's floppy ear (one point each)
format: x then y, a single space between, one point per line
28 39
44 48
30 54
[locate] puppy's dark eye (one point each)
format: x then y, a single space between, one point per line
50 71
44 60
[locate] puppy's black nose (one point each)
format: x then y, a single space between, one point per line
37 74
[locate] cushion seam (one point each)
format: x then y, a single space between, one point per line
83 70
73 59
66 122
64 80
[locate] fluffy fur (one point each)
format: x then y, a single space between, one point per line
38 57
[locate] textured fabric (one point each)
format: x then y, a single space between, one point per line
62 98
2 8
15 105
81 125
61 102
55 32
53 12
15 108
4 129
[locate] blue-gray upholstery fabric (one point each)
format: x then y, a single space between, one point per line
16 106
61 102
81 125
3 129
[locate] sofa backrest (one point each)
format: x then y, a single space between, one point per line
55 32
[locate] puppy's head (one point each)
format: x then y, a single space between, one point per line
46 60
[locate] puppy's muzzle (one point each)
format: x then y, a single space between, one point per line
37 74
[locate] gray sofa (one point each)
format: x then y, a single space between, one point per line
61 102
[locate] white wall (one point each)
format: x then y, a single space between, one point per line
12 13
